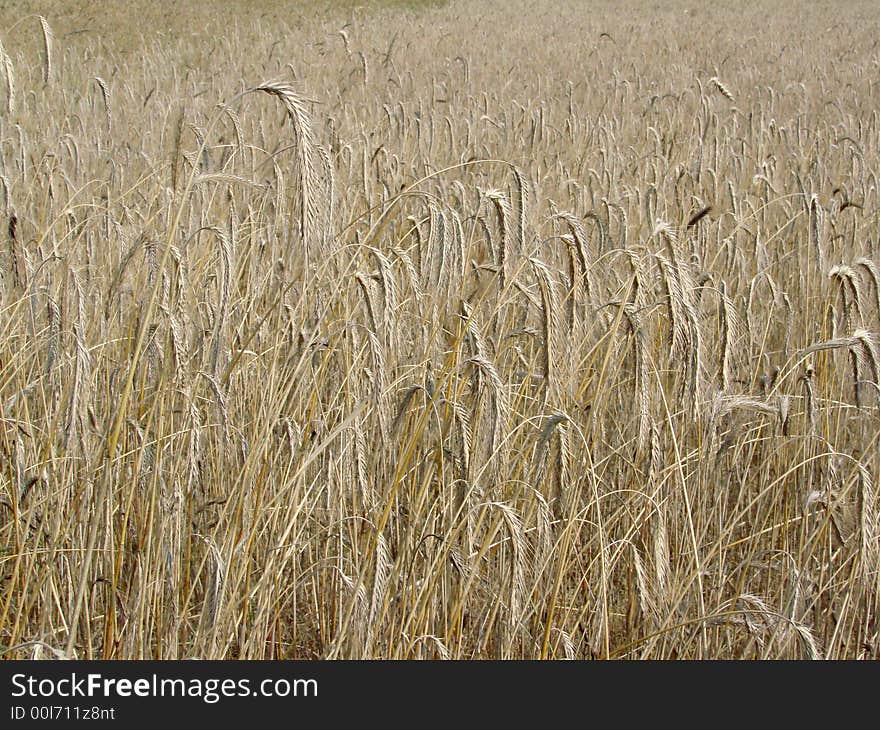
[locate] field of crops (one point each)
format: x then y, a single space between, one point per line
439 330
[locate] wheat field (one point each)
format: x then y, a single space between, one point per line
439 331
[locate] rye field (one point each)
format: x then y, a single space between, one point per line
439 330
